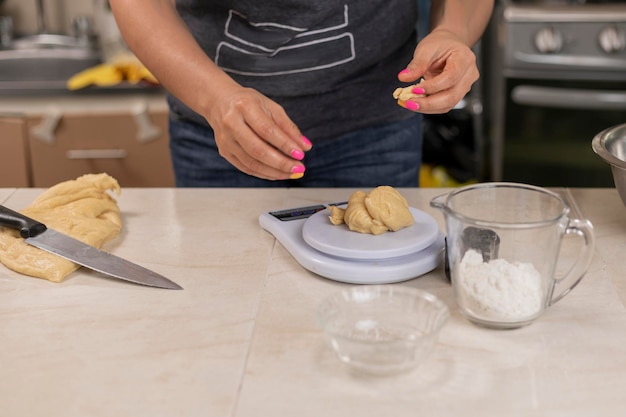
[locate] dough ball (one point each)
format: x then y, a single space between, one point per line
358 218
383 209
386 205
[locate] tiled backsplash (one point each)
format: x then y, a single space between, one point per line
58 14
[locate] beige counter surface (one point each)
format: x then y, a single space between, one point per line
241 339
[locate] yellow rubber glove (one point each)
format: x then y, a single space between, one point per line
123 68
103 75
137 72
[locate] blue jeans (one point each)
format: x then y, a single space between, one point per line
387 154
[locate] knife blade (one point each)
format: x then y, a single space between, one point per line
49 240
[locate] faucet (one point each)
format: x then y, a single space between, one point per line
41 18
6 31
82 37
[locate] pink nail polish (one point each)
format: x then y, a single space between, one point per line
404 71
418 90
297 154
298 169
306 141
411 105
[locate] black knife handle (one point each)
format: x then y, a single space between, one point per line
14 220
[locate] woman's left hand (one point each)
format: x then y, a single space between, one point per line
448 67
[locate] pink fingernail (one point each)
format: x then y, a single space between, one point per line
404 71
297 154
418 90
298 169
306 141
411 105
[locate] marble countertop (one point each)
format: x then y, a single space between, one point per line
241 339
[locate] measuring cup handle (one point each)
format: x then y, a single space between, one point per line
584 229
439 201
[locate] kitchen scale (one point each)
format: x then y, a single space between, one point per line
342 255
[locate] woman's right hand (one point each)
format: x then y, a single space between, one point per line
252 132
255 134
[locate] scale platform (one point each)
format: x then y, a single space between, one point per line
339 254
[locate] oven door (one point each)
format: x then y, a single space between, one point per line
549 126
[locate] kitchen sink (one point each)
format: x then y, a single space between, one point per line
41 65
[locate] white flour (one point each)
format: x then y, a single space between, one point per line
498 289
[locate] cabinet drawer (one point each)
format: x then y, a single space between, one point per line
13 153
94 143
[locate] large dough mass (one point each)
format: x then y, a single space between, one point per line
383 209
80 208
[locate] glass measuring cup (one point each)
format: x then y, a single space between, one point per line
510 285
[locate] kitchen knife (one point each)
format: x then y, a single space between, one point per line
38 235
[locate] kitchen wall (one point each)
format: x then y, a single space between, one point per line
58 14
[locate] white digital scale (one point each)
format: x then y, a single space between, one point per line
342 255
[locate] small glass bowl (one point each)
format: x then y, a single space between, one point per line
382 329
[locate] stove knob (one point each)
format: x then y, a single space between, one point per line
612 40
548 40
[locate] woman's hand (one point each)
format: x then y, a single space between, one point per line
449 69
252 132
255 134
444 57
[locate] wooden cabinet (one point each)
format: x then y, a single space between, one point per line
59 142
14 159
110 143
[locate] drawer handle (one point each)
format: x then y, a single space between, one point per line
146 130
45 130
569 98
96 154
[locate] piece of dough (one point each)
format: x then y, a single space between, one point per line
80 208
336 215
406 93
358 219
386 205
383 209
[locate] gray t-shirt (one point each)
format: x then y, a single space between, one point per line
331 64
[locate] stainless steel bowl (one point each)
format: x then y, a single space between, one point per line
610 145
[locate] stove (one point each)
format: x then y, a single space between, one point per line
553 58
560 39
